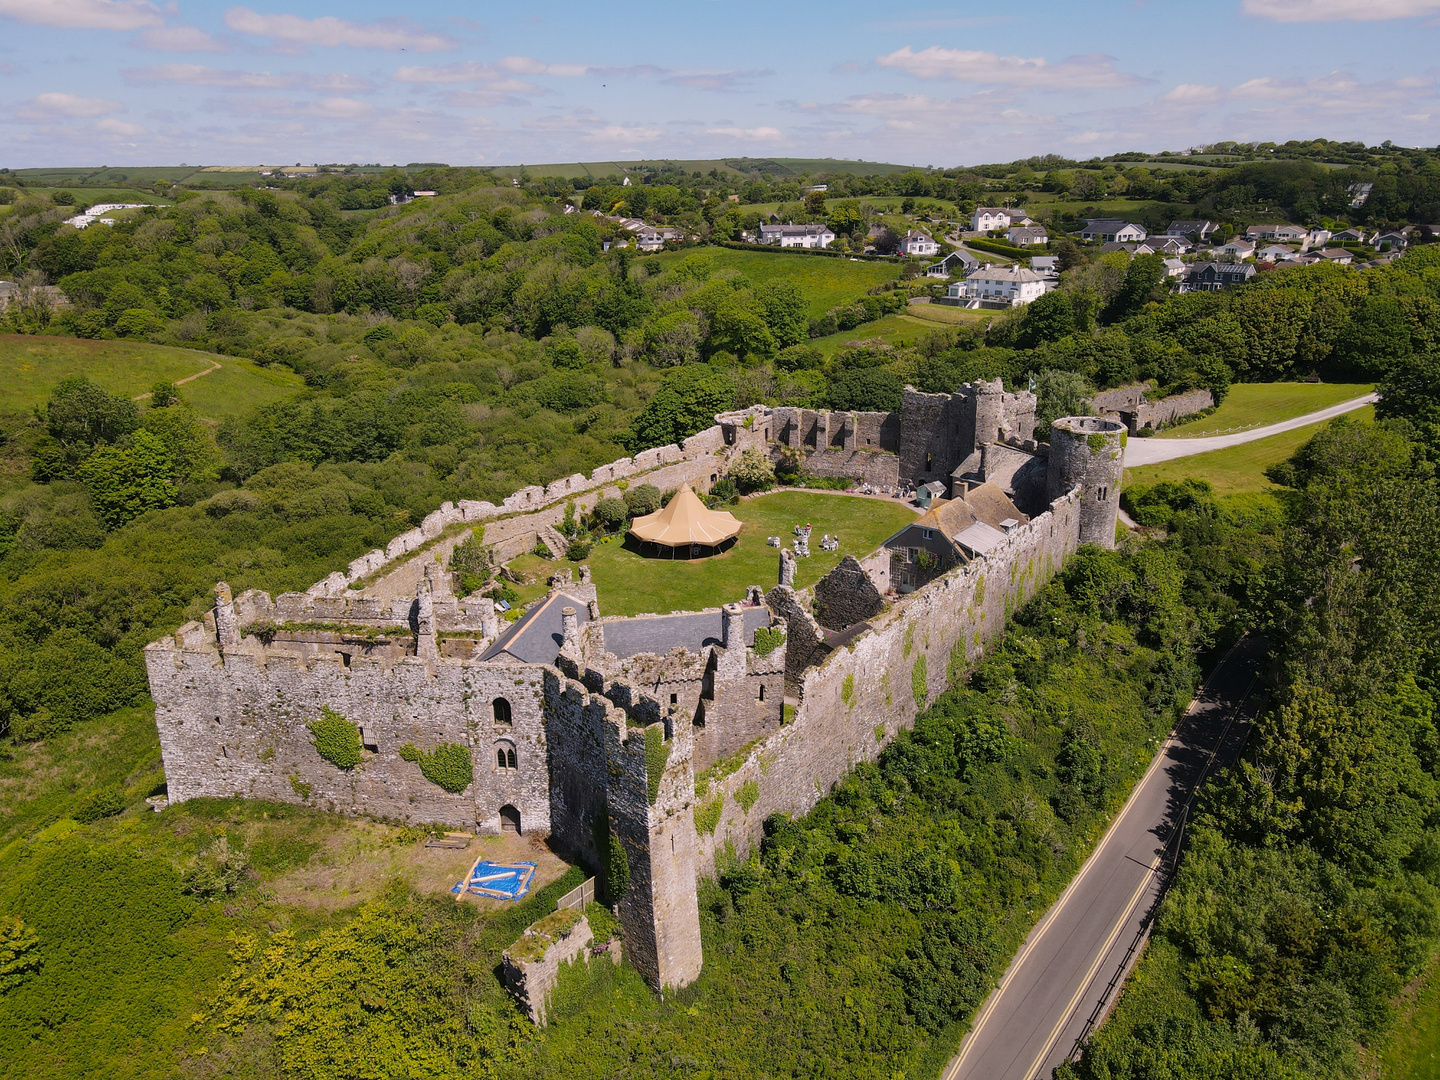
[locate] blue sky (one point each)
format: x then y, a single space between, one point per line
131 82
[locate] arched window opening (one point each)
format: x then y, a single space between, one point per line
762 691
510 759
504 757
500 759
502 712
929 463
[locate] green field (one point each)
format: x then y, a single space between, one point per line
825 281
1412 1051
31 366
895 330
1236 469
1250 405
630 583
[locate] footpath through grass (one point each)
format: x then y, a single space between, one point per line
630 583
1257 404
30 368
824 280
1239 469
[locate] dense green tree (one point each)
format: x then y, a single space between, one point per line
686 403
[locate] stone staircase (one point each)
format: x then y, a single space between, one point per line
552 539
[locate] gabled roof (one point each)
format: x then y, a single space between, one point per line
980 538
1005 273
536 636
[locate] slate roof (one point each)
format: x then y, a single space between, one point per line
537 635
661 633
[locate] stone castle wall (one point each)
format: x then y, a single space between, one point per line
240 728
855 701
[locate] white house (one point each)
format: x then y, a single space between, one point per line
1046 265
1316 238
918 243
990 218
1241 249
1338 256
1275 253
1174 267
1293 234
1112 230
799 236
1027 235
1009 286
654 237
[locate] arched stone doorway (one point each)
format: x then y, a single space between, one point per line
509 819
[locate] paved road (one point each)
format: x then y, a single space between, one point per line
1073 962
1151 451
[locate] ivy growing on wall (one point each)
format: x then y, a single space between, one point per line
336 739
657 753
768 639
707 817
449 766
747 795
614 876
847 690
918 679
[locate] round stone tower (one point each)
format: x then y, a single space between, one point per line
1088 452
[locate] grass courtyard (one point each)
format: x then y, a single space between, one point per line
1237 470
30 367
1257 404
630 584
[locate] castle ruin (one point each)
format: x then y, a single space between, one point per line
593 730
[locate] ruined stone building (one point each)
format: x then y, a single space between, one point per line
593 729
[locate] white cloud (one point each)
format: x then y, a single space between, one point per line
200 75
328 31
1297 11
119 127
178 39
612 133
528 65
723 81
1193 94
84 14
757 134
62 104
1091 71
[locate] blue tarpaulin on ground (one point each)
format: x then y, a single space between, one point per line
503 881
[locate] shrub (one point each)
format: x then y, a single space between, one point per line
220 871
611 514
18 955
336 739
542 549
643 499
753 472
578 550
102 803
470 563
768 639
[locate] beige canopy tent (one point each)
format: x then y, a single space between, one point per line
685 522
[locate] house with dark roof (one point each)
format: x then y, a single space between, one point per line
1028 235
919 244
801 236
1199 230
1214 276
957 262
